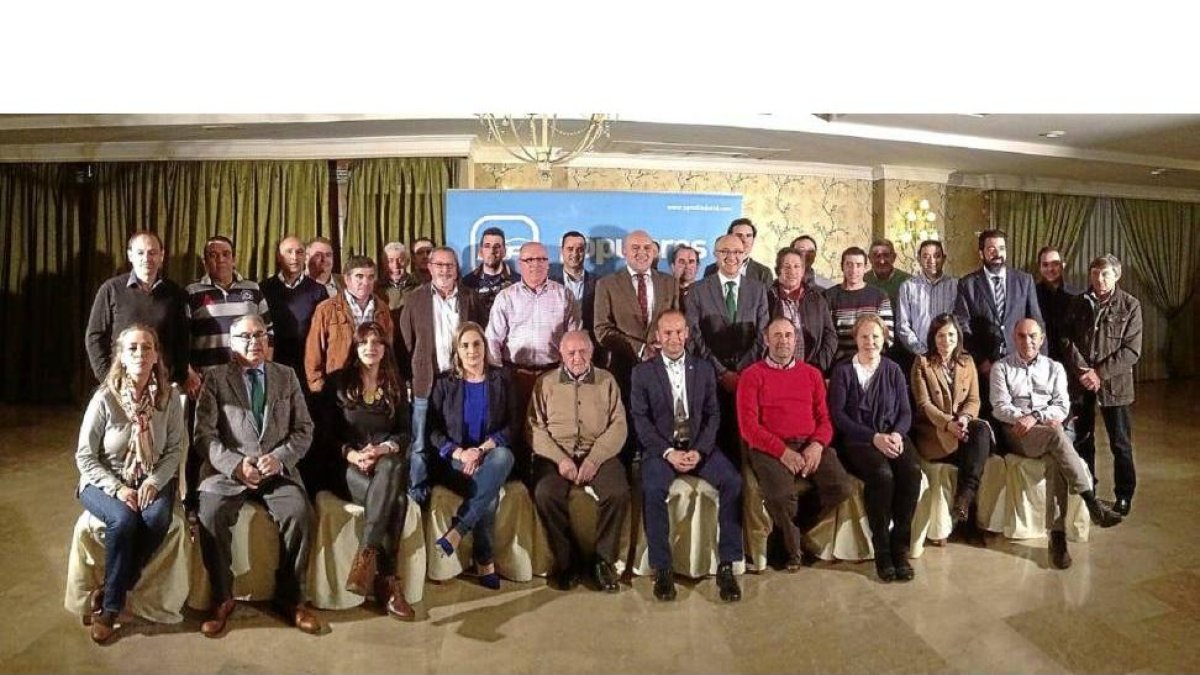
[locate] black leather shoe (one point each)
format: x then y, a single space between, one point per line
1102 515
904 571
1059 557
727 584
606 576
885 568
1122 506
565 580
664 585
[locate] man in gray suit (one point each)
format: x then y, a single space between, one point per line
726 312
252 434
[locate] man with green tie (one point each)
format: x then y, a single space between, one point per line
726 312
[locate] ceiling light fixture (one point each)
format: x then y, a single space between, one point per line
1058 133
1158 172
538 138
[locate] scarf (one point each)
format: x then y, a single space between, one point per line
141 457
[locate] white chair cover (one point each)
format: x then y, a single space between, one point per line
162 589
1026 519
339 532
583 507
255 559
692 512
932 519
516 531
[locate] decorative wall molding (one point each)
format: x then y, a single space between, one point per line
914 173
1071 187
302 148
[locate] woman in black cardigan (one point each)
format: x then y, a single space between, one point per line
868 401
469 419
368 422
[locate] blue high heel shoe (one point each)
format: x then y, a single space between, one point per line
491 580
447 549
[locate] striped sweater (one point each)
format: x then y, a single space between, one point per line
846 306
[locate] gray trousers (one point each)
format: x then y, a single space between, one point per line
1066 472
288 506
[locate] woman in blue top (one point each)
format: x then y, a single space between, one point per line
868 401
469 419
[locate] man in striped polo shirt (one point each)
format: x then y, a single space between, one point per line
853 298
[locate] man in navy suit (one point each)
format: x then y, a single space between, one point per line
991 300
673 401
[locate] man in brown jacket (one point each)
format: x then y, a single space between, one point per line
331 334
1102 341
576 429
425 345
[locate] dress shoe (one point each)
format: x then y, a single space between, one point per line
885 568
216 625
904 570
727 584
605 576
362 571
305 619
1122 506
564 579
961 510
1059 557
664 585
1102 515
389 593
103 627
95 605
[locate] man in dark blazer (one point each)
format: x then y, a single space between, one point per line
746 232
673 403
726 313
987 327
424 347
580 282
252 434
627 306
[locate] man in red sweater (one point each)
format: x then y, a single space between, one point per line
783 418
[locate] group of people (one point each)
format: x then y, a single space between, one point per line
379 384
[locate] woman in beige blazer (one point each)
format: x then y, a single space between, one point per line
946 424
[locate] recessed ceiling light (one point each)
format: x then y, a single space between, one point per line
1058 133
218 127
979 115
1157 172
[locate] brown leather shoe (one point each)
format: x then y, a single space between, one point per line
390 593
306 620
216 625
103 627
362 572
961 510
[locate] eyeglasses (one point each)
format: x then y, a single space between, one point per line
723 252
443 266
535 261
246 337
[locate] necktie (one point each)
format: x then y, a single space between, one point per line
998 286
643 301
258 397
730 300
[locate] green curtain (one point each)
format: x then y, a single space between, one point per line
1164 247
396 199
41 261
63 230
1033 220
254 203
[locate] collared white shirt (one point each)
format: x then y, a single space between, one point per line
1003 274
737 284
863 371
1036 388
649 289
445 323
294 284
361 315
573 285
677 374
136 281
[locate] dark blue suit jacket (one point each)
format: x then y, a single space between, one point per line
652 405
975 308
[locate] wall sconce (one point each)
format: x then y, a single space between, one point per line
919 224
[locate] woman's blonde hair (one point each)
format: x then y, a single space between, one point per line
870 318
117 373
464 328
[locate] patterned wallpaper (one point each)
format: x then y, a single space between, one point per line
968 212
835 211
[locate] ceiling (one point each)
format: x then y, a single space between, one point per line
1094 149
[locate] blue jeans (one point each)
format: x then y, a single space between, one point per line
130 538
418 465
481 498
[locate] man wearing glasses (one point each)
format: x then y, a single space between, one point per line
526 325
425 347
252 427
726 313
746 233
492 275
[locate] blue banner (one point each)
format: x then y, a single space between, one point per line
604 217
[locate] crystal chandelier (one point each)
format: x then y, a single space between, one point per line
539 139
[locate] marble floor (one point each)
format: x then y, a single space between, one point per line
1130 603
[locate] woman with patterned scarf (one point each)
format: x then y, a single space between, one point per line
130 446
